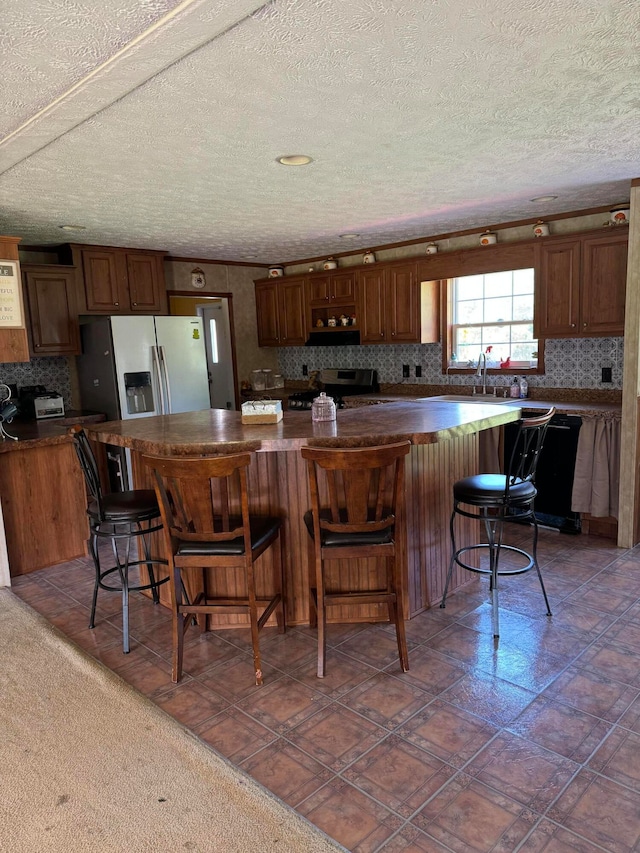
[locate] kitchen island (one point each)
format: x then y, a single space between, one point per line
445 448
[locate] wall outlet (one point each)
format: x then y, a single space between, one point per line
418 370
305 370
405 371
606 375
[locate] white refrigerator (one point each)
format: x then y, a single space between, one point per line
138 367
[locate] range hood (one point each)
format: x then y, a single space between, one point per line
338 338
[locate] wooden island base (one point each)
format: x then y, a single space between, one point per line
445 448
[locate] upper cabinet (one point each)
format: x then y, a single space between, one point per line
14 345
395 306
581 286
281 309
119 281
52 309
333 289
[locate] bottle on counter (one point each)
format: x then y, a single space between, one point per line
514 388
323 408
524 387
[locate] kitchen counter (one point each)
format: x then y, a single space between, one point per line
46 432
445 448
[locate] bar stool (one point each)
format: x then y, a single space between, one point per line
500 498
361 516
120 517
204 506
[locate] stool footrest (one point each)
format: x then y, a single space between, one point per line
485 571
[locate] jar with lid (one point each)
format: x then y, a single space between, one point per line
268 378
257 380
323 408
278 380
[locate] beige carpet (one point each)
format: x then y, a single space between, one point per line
88 764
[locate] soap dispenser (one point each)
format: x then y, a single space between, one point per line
514 389
524 388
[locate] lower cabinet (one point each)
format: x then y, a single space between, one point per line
52 309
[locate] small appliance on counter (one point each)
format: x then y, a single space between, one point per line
337 383
49 406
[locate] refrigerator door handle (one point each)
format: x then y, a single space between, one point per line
158 372
165 371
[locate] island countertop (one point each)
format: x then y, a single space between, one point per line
219 430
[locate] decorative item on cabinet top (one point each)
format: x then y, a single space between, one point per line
369 257
619 216
431 249
540 229
276 272
330 264
488 238
198 279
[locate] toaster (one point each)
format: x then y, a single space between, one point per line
49 406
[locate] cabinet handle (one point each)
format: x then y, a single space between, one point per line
134 303
116 303
584 325
393 334
572 325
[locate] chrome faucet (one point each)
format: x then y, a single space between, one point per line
482 371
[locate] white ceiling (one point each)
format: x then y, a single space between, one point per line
157 123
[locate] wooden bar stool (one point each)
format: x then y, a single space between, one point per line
361 514
205 512
498 498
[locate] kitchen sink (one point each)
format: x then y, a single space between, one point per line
467 398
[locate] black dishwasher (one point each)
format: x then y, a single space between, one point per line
554 475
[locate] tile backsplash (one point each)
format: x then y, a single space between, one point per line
52 372
569 363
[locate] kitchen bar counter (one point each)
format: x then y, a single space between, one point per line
445 448
46 432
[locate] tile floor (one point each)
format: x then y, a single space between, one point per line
531 746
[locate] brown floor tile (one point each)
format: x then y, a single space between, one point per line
235 679
492 698
591 693
235 735
351 817
287 772
548 837
203 652
283 704
617 758
375 647
560 728
411 840
386 700
336 736
342 674
611 661
469 817
625 633
72 621
191 703
600 810
48 602
102 636
399 775
448 732
150 677
602 599
522 770
584 622
431 671
289 651
462 644
631 717
112 655
424 625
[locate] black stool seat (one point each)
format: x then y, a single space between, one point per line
353 539
495 499
490 489
120 517
126 507
262 530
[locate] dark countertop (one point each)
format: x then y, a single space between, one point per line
218 430
45 432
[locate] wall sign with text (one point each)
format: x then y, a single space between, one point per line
11 314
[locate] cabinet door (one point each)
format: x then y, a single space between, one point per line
372 308
267 314
101 281
292 312
53 313
343 289
403 303
319 290
557 311
604 283
146 282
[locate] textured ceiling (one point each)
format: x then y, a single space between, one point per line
157 123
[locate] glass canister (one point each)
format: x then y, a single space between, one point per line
323 408
257 380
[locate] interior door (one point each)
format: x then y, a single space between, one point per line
217 336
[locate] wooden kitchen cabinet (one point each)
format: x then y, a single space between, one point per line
281 309
52 309
395 307
14 344
581 286
333 289
119 280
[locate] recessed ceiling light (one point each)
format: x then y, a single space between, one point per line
294 160
348 236
73 228
544 198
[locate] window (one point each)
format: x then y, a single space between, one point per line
213 331
493 313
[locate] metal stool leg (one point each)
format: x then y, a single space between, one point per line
453 557
123 571
535 563
491 527
93 547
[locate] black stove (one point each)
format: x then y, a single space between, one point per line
337 383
